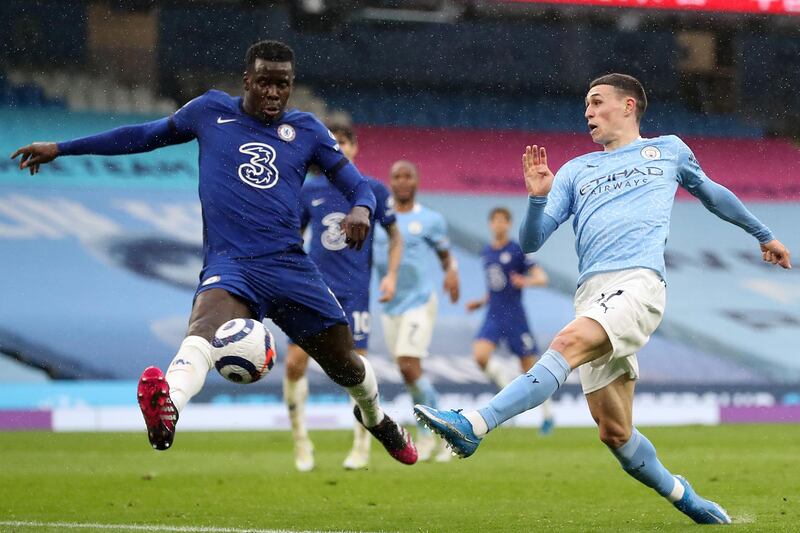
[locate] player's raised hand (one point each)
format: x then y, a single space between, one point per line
776 253
36 154
538 178
356 226
388 287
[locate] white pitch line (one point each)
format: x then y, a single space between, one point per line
149 527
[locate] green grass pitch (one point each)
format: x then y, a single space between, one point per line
517 481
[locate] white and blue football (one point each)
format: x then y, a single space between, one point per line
243 350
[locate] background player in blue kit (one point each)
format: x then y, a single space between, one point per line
508 270
347 272
621 199
409 318
254 154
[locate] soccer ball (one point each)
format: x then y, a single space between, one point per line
243 350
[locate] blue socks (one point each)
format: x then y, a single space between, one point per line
422 392
528 390
638 458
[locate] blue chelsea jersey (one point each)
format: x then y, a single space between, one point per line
498 264
251 174
323 207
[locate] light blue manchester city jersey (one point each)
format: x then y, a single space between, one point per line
424 233
622 200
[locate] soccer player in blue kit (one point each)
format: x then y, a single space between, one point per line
254 154
508 270
347 272
621 199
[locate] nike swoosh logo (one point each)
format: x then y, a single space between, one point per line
221 120
591 165
318 201
359 337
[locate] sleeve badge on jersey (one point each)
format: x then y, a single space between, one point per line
651 152
286 132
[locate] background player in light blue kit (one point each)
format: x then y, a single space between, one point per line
621 199
508 270
253 158
408 319
347 272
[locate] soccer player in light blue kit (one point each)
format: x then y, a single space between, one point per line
621 199
408 319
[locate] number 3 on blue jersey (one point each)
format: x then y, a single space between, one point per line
333 238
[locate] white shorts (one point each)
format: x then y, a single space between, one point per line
628 304
409 334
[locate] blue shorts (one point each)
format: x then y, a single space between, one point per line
286 287
516 333
356 308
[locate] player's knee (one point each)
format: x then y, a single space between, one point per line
614 434
296 364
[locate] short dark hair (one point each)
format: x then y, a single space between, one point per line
500 211
339 128
268 51
627 85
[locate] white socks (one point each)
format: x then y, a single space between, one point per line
366 396
187 372
677 491
479 426
295 394
495 371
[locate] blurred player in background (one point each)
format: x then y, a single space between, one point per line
254 155
508 270
621 199
347 272
408 319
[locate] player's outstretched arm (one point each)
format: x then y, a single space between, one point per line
388 284
723 203
36 154
119 141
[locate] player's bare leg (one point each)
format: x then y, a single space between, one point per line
332 348
295 393
612 410
162 397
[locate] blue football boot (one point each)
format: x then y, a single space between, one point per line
452 426
699 509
